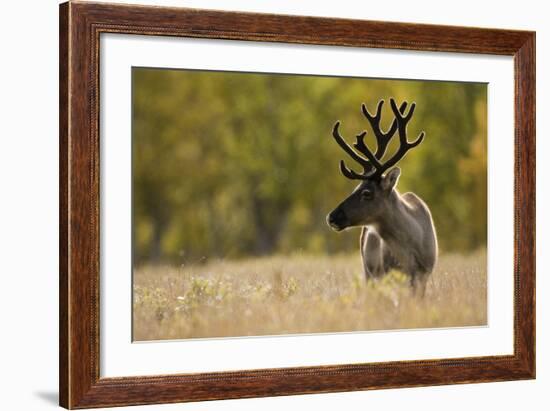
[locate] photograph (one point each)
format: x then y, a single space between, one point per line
275 205
268 204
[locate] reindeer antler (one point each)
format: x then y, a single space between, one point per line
373 168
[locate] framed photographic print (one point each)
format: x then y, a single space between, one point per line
256 205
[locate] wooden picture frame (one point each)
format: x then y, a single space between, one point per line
80 27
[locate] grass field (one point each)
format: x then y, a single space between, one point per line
301 294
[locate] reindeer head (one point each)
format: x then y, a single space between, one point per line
370 198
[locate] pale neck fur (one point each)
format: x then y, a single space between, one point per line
396 225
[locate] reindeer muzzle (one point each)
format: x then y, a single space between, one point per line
337 220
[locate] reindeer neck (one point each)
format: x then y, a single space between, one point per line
393 220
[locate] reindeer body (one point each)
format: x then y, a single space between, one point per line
397 230
411 248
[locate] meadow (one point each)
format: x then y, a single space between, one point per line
301 294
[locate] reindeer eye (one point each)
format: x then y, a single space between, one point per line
367 194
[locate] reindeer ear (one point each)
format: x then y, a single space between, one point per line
389 181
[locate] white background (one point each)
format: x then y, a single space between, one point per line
29 217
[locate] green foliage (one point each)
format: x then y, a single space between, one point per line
234 164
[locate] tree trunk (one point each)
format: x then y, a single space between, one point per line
267 232
156 241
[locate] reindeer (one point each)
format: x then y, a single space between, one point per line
397 229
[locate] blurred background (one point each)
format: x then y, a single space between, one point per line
232 165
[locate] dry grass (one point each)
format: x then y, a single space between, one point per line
301 294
